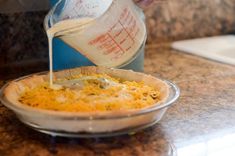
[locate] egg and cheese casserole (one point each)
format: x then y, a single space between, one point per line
91 93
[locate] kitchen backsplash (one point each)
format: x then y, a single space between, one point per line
23 46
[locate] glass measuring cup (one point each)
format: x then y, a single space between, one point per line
114 35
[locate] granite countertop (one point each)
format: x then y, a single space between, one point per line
201 123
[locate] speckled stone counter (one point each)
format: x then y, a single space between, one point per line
201 123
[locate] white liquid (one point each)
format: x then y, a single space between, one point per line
61 28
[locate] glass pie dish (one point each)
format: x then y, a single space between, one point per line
99 124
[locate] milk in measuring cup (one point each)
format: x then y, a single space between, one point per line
111 38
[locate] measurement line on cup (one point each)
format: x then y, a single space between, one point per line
116 42
126 31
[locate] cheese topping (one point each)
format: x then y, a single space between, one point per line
90 93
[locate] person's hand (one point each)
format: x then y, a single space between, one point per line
143 3
146 3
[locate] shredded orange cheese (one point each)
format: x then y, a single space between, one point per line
95 95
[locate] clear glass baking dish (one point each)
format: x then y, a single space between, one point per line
82 125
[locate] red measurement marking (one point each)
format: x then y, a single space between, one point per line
119 55
75 11
124 12
113 27
126 31
115 42
128 48
128 15
106 45
118 34
122 41
137 31
131 20
111 50
97 40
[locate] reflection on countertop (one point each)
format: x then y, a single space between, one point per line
201 123
217 144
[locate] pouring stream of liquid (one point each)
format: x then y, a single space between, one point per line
62 28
